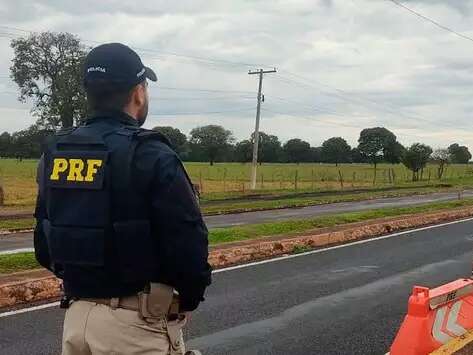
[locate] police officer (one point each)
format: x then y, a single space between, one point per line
118 220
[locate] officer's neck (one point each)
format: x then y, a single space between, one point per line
131 111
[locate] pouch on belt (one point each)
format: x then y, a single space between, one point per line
156 304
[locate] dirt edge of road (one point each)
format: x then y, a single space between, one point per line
37 285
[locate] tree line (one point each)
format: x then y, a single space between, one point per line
47 69
214 143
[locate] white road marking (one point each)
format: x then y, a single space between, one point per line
236 267
15 251
24 310
17 231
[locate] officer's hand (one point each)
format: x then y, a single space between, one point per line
188 316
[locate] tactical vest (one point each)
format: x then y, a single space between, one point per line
97 220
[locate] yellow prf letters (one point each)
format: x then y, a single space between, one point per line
76 169
60 166
92 165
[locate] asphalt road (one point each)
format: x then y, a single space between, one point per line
346 300
25 240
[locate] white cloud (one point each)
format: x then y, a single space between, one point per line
393 69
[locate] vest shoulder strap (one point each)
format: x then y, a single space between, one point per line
65 131
145 134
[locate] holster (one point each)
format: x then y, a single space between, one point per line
158 301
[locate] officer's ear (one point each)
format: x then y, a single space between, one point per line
138 96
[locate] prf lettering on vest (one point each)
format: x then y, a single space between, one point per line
77 169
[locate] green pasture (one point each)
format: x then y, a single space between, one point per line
227 180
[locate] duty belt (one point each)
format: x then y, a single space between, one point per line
130 303
158 301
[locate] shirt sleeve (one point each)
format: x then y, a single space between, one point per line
39 238
181 231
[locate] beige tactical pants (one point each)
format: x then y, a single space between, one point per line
96 329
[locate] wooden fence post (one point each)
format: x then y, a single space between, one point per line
340 176
262 180
313 179
201 182
225 180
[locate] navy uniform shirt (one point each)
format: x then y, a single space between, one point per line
173 211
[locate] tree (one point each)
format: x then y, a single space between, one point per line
373 143
316 154
5 144
442 157
47 67
416 158
336 150
28 143
176 137
393 152
357 157
244 151
297 150
213 140
269 148
459 154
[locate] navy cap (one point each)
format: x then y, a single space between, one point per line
114 64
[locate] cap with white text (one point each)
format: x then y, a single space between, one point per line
114 64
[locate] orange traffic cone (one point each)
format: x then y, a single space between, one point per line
435 317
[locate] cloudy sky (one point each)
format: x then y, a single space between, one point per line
342 64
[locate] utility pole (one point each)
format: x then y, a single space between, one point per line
258 113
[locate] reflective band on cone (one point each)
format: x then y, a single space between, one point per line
435 317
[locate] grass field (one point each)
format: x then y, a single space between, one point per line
227 180
26 261
225 177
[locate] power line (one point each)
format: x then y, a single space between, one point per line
445 28
199 113
7 35
322 110
204 90
344 95
223 98
336 124
159 52
317 109
240 93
